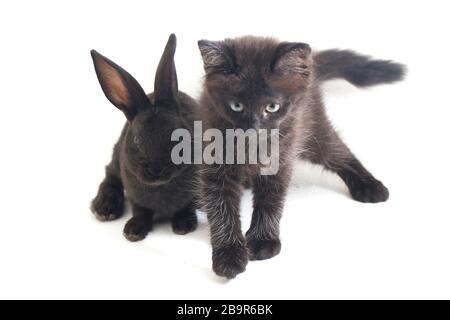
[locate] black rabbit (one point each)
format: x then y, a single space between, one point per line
141 163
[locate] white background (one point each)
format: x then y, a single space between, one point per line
57 131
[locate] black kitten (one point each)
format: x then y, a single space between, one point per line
141 164
261 83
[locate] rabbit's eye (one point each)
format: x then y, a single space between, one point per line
273 107
136 140
236 106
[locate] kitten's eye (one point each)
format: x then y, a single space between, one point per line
236 106
136 140
273 107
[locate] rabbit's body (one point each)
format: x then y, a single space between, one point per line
164 199
141 167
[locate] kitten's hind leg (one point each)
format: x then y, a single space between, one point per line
327 149
362 185
109 203
140 224
185 220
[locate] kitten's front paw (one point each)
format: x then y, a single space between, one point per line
263 249
370 191
108 204
184 224
137 229
229 261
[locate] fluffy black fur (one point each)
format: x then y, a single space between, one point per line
257 72
141 163
360 70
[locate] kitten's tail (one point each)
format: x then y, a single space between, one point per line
360 70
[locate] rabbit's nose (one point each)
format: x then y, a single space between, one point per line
152 171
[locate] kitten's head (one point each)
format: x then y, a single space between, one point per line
151 119
255 82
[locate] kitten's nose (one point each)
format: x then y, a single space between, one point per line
254 122
257 124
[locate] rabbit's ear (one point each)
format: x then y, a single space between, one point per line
119 86
166 84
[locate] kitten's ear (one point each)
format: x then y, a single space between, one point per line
216 58
119 86
292 58
166 84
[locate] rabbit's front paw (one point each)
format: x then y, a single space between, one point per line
109 203
137 229
184 224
